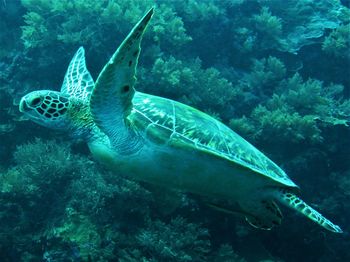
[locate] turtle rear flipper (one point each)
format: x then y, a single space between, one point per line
264 214
294 202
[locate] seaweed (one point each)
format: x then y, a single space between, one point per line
176 241
337 43
188 82
297 110
274 71
268 26
93 23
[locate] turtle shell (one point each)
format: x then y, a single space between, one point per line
167 122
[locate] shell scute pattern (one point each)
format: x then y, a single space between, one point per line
168 122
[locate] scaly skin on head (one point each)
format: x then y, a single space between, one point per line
58 111
44 105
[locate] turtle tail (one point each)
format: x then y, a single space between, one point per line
294 202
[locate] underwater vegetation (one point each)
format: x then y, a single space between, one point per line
276 72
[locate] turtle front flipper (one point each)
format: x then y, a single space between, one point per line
294 202
111 99
78 81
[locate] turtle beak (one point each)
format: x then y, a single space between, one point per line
23 107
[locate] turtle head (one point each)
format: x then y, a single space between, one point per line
60 111
47 108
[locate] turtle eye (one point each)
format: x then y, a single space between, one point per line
35 102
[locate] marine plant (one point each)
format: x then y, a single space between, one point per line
34 190
199 11
265 74
188 82
297 109
306 21
63 197
262 109
93 23
225 253
337 43
79 212
268 26
175 241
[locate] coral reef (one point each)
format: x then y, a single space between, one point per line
36 190
297 111
307 21
93 23
176 241
78 212
275 71
188 82
268 26
338 42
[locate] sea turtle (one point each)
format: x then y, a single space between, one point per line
164 142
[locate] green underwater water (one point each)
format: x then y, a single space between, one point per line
277 72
